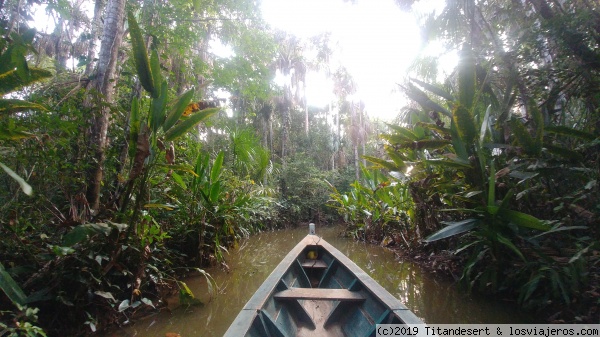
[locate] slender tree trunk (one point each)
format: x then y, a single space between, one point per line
285 115
306 126
95 32
102 88
61 57
356 161
270 121
355 136
14 18
338 138
363 138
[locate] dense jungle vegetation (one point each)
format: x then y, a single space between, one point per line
123 171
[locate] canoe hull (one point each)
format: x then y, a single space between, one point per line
317 291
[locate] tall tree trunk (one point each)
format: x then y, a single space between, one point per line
270 121
95 32
285 115
363 134
61 54
102 86
356 162
14 18
306 126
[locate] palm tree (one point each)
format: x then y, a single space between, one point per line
292 65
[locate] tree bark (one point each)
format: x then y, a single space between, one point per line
306 125
102 88
61 55
356 162
95 30
285 116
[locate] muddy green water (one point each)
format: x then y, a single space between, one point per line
432 299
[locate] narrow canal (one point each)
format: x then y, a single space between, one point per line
432 299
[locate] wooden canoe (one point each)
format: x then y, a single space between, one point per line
318 291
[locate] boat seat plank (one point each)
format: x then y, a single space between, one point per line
319 294
314 264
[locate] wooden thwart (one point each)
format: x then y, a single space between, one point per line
316 264
319 294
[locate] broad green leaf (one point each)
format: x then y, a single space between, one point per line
560 229
11 288
21 66
215 192
155 70
426 144
507 198
179 167
466 246
402 132
25 187
465 125
523 175
179 180
157 108
452 229
396 138
564 152
124 305
530 287
183 127
147 302
161 206
85 231
105 294
77 234
434 89
424 101
178 109
448 163
390 165
434 127
523 220
11 134
62 251
215 172
140 56
567 131
9 106
580 253
397 159
524 138
384 196
457 143
505 241
484 125
472 194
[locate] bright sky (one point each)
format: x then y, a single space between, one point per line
377 44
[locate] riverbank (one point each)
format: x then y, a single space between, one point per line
444 264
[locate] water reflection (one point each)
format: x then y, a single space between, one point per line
434 300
